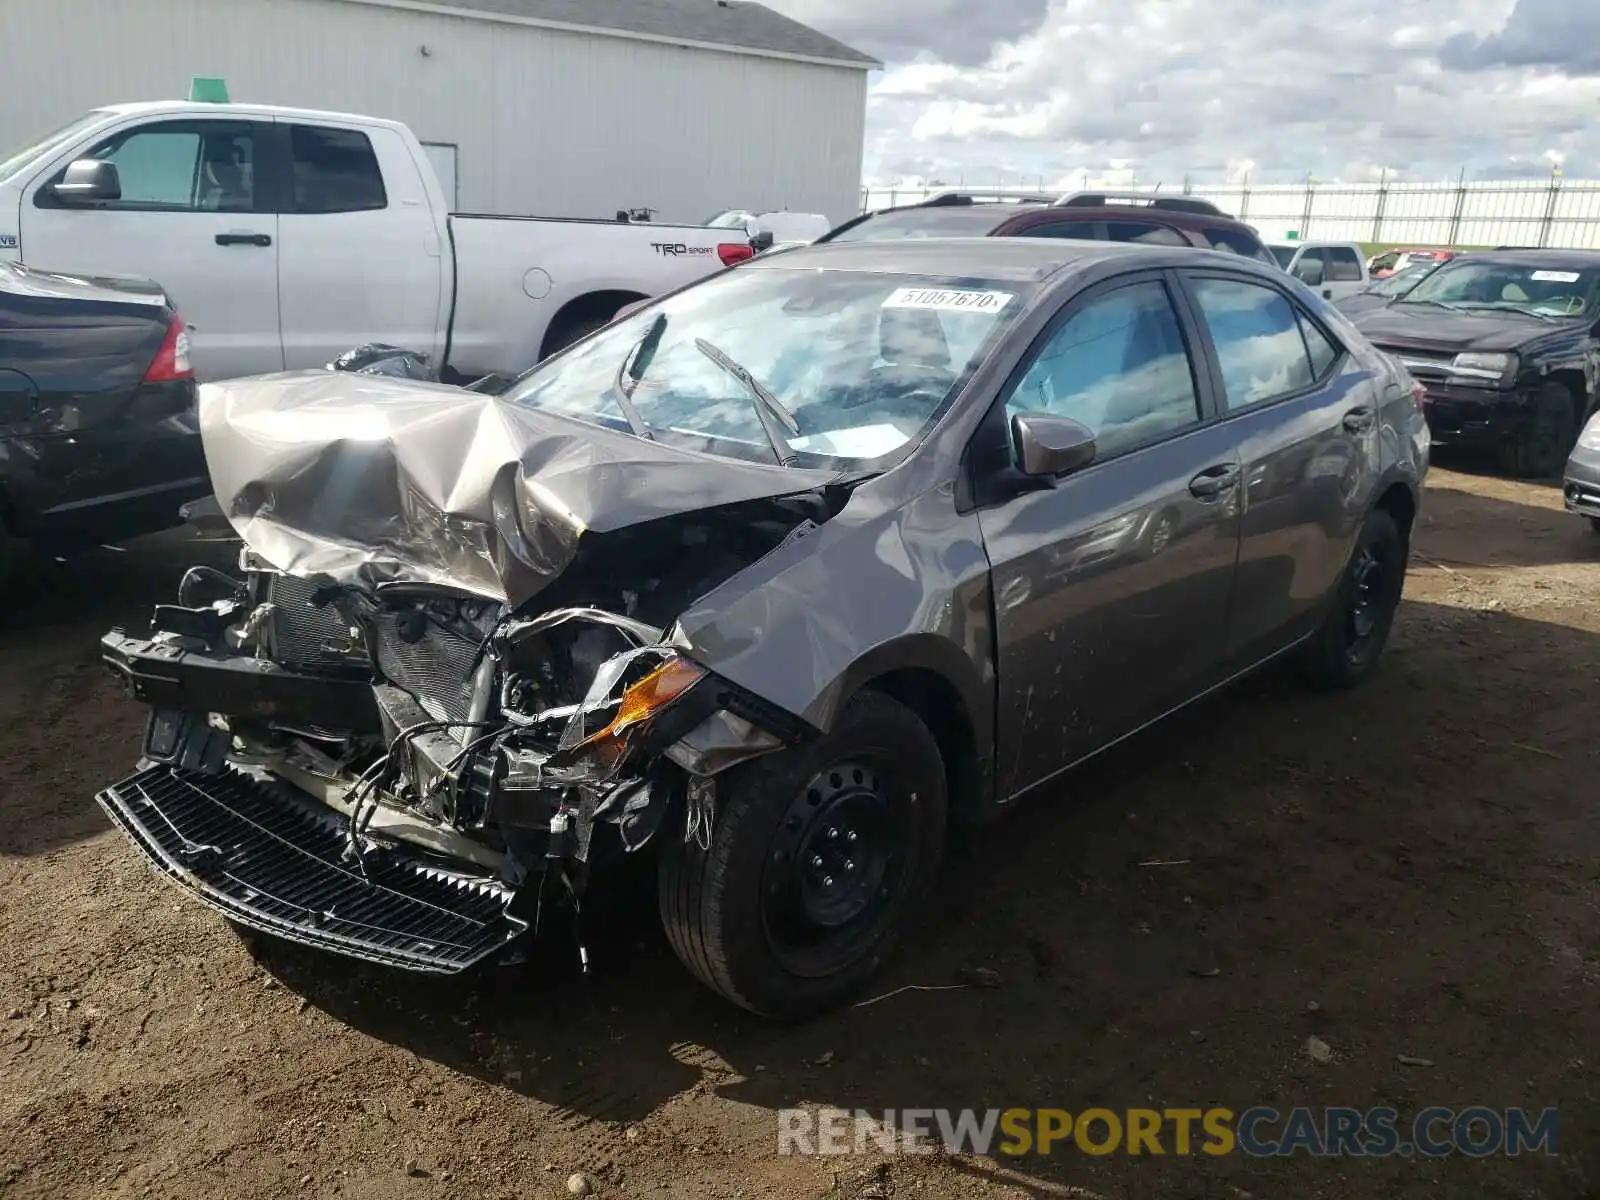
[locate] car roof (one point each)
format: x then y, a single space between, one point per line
1029 215
980 216
1572 260
190 108
989 216
1017 259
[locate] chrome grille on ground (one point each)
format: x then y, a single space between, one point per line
277 864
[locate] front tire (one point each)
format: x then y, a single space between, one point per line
1540 447
818 858
1346 649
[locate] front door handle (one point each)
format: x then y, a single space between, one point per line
1213 481
1358 420
243 239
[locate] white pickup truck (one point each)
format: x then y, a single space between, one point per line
1335 269
288 236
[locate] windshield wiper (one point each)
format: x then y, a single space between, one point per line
640 355
1507 308
770 411
1436 303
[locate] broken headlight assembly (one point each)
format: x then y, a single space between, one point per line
628 693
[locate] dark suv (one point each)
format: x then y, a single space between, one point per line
1090 216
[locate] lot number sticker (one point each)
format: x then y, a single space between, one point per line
1555 277
947 299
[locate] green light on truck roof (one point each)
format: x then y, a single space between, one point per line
203 89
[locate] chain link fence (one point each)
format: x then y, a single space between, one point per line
1555 212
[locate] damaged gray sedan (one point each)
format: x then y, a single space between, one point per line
783 576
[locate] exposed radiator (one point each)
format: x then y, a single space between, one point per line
434 662
304 635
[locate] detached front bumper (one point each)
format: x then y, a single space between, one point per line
275 861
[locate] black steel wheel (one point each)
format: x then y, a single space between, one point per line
837 858
1345 650
818 857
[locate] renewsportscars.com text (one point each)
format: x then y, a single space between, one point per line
1434 1132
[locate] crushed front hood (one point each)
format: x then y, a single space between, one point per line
368 480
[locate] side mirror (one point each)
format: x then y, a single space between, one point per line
89 181
1310 272
762 241
1049 445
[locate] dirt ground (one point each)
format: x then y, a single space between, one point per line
1409 870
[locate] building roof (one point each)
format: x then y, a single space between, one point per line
736 25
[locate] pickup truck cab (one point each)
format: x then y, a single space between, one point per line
287 236
1332 269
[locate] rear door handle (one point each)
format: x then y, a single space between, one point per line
1358 420
1213 481
244 239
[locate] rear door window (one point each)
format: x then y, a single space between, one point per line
1257 335
1085 231
334 171
1343 265
1146 232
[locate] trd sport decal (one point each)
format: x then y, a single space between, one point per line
679 248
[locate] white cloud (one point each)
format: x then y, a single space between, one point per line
1220 89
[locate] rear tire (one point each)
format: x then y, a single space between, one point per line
1346 649
819 856
573 332
1542 444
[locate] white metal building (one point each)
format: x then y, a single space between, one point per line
572 108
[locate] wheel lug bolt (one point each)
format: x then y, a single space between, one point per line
817 862
849 865
833 832
827 881
851 836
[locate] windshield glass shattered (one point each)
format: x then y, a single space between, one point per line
817 368
1510 287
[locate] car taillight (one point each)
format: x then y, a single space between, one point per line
172 360
735 252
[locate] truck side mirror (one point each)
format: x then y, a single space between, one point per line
761 241
1310 272
89 181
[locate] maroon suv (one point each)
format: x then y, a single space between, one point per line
1092 216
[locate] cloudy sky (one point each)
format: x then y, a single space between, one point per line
992 90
